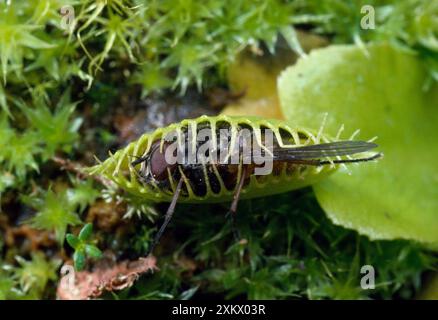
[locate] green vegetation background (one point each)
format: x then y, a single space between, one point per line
69 86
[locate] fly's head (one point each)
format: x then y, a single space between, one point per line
154 166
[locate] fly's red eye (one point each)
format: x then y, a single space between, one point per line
158 163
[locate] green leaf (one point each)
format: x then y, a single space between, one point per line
79 260
93 251
86 232
380 92
72 240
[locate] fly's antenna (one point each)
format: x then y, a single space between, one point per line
138 161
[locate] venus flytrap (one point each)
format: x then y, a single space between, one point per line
378 201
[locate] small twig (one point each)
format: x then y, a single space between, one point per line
79 170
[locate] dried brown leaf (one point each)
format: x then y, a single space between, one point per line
107 275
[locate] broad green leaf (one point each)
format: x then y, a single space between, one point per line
79 260
86 232
93 251
72 240
381 92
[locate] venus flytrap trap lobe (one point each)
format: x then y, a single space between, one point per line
386 96
299 158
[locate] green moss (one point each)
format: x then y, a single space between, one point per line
54 214
291 250
29 278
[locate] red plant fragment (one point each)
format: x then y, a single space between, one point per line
106 276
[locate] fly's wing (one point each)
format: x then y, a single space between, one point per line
323 150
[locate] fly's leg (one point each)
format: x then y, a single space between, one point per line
233 209
167 217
